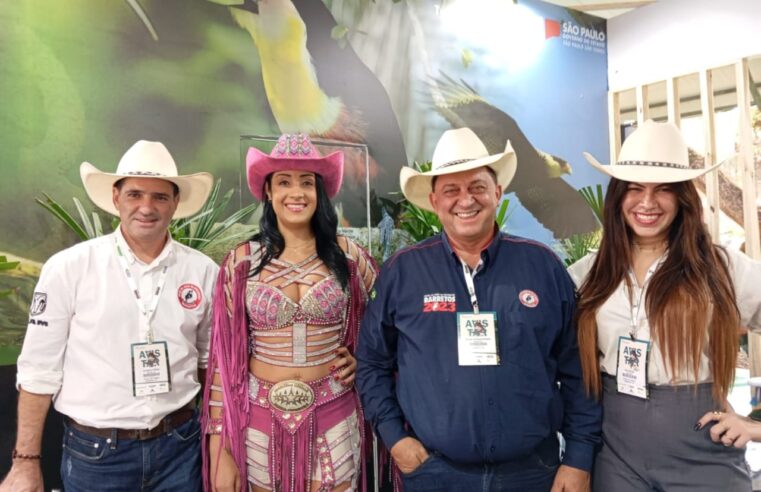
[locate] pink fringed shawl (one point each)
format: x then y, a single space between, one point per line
229 354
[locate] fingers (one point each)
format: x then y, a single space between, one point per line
344 366
708 418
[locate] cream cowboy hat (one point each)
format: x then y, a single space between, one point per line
457 151
147 160
653 153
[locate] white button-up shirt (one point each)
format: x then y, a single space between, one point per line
84 318
615 315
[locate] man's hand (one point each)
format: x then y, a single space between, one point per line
224 472
25 476
570 479
344 366
408 453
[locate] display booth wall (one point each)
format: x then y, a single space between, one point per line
82 81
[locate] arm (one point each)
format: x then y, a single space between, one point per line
745 273
25 473
377 363
582 415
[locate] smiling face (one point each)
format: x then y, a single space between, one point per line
466 204
649 209
146 206
294 197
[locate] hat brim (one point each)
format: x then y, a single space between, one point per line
194 189
416 186
260 165
648 174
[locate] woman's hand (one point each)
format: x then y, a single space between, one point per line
344 366
224 474
730 429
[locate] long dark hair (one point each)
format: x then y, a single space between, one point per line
692 289
324 225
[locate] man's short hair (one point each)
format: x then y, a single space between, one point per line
491 172
176 189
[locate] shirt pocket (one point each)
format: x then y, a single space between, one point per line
525 343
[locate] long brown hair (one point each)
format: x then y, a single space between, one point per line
692 289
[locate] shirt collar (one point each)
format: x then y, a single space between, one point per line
487 255
130 256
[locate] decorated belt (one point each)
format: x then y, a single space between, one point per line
293 401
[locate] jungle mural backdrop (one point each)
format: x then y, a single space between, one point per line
83 80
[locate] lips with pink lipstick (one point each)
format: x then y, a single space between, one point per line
296 207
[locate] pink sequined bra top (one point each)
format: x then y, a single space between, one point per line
314 325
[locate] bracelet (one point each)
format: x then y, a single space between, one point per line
214 427
20 456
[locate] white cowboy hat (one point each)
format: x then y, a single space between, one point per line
457 151
653 153
147 160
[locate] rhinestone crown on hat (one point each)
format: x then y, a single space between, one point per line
293 145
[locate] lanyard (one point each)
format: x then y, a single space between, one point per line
469 282
634 316
145 311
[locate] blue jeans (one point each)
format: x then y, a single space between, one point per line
534 473
170 462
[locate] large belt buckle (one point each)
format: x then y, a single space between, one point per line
291 396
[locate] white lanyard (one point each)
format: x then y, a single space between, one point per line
145 311
634 316
469 282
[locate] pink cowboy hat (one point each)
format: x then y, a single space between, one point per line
293 152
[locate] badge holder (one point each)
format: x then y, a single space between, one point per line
631 367
477 339
150 369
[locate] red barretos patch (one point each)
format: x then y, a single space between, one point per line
439 302
529 298
189 296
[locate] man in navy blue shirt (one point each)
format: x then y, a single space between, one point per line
468 365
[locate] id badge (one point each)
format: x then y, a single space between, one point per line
150 369
631 373
477 339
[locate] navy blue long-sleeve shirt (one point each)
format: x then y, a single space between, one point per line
408 372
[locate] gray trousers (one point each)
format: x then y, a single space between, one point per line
650 445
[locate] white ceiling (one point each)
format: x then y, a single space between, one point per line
602 8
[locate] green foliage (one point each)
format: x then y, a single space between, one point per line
577 246
594 199
7 265
202 229
198 231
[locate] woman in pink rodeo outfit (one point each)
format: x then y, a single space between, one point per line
282 412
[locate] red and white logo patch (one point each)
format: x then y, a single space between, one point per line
439 303
529 298
189 296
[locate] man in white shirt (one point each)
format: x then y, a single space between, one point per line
118 339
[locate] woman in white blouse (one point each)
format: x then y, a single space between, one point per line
659 313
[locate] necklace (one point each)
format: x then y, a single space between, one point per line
658 247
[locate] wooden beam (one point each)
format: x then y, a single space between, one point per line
673 105
611 5
643 106
745 155
614 125
712 213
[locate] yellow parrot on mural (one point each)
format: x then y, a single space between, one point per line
296 99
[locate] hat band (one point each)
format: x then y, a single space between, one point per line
142 173
651 164
454 163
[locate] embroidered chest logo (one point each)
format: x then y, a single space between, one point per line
529 298
439 302
189 296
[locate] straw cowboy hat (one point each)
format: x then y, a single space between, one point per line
457 151
147 160
293 152
653 153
